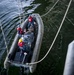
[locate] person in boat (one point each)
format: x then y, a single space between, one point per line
22 47
24 44
31 21
20 31
21 44
30 29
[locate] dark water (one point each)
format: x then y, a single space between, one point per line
9 17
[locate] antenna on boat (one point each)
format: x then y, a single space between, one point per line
4 36
19 3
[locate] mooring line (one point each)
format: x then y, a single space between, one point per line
50 9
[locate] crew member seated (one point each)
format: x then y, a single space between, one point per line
24 44
31 21
20 31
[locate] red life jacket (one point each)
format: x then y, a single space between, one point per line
21 44
30 19
19 29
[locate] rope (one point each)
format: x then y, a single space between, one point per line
70 21
54 37
50 9
4 37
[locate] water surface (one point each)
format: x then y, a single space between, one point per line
9 17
